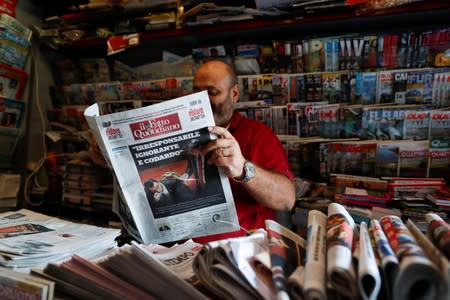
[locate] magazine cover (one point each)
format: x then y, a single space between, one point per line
171 192
11 112
416 125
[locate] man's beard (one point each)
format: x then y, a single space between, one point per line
223 112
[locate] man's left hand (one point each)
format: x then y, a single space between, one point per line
225 152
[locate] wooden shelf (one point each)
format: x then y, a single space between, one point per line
415 13
415 16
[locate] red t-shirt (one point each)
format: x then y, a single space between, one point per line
261 146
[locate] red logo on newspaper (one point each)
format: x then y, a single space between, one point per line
155 127
196 113
113 133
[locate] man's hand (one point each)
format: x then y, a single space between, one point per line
225 152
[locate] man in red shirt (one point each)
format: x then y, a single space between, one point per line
249 152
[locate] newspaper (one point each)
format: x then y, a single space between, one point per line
340 269
158 142
388 260
438 231
178 258
435 255
287 253
369 279
224 276
315 281
31 240
144 270
417 273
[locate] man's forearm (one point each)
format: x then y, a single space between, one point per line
271 189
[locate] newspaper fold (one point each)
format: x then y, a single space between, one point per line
218 271
315 277
158 144
388 260
435 256
369 280
438 232
418 277
340 269
287 253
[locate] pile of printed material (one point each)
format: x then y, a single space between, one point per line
31 240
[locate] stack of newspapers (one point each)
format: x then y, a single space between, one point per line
340 259
32 240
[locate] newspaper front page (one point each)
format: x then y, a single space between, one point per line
156 145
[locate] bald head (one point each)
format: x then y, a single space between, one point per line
220 81
219 69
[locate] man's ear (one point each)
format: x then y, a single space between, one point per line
235 91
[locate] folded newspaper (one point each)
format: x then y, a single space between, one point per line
169 191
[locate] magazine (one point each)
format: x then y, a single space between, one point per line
155 145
